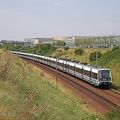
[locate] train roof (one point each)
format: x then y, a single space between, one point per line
69 61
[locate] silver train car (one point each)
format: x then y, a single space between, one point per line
96 76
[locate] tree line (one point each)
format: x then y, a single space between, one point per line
45 49
98 42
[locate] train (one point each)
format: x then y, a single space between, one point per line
96 76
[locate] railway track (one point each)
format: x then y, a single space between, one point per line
101 100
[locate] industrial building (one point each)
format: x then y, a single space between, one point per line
37 41
78 41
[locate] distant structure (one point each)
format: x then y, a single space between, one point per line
1 43
7 41
97 41
71 40
68 39
78 41
37 41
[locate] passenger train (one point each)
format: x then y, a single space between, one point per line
97 76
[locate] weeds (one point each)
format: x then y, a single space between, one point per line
5 66
113 114
29 107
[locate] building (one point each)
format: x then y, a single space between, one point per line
29 41
37 41
1 43
78 41
68 39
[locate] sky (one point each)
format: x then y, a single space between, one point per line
21 19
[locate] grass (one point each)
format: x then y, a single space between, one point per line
111 59
113 114
83 58
30 94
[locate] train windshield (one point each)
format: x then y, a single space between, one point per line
105 74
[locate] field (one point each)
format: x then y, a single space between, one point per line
69 54
28 93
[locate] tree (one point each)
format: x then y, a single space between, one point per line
79 51
116 48
66 48
61 43
45 49
92 57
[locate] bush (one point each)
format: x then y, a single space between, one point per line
61 43
79 51
66 48
45 49
92 57
115 48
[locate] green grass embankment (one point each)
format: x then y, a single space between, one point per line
30 94
111 59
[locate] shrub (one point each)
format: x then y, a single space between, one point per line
115 48
79 51
66 48
45 49
92 57
61 43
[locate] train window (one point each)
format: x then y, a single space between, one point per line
105 74
62 65
79 70
87 73
94 75
66 66
72 68
53 62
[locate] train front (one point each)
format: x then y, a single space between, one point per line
105 79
